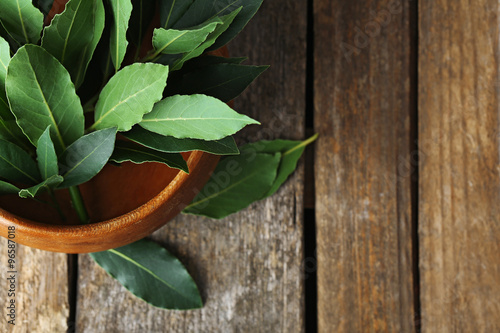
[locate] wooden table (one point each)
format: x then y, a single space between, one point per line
402 189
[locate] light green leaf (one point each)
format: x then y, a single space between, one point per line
132 152
49 183
4 63
290 151
179 41
16 165
236 182
194 116
172 10
86 157
73 35
46 156
222 81
22 21
226 22
169 144
151 273
7 188
130 94
121 10
41 94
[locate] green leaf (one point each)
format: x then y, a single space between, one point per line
21 20
130 94
49 183
151 273
179 41
41 94
169 144
222 81
290 154
7 188
121 10
73 35
236 182
46 156
86 157
202 10
129 151
226 22
194 116
172 10
208 60
11 132
4 63
16 165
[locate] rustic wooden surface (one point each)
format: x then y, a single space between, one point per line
459 136
248 266
42 292
363 171
392 255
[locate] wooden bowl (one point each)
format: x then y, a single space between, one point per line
130 200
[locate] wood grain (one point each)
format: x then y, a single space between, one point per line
459 123
363 165
42 290
248 266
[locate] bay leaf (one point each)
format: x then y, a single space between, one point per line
47 184
5 113
172 10
132 152
121 11
52 98
130 94
194 116
17 165
21 20
46 156
84 158
151 273
236 182
169 144
8 188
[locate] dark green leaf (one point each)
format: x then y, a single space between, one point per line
84 159
130 94
11 132
46 156
122 10
21 20
151 273
7 188
236 183
222 81
49 183
73 35
290 154
41 94
194 116
45 5
169 144
179 41
129 151
172 10
226 22
208 60
143 12
16 165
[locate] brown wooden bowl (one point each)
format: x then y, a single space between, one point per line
132 201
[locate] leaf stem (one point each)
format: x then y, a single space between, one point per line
77 200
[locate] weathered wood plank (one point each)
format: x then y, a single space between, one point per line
363 165
459 139
41 293
248 266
